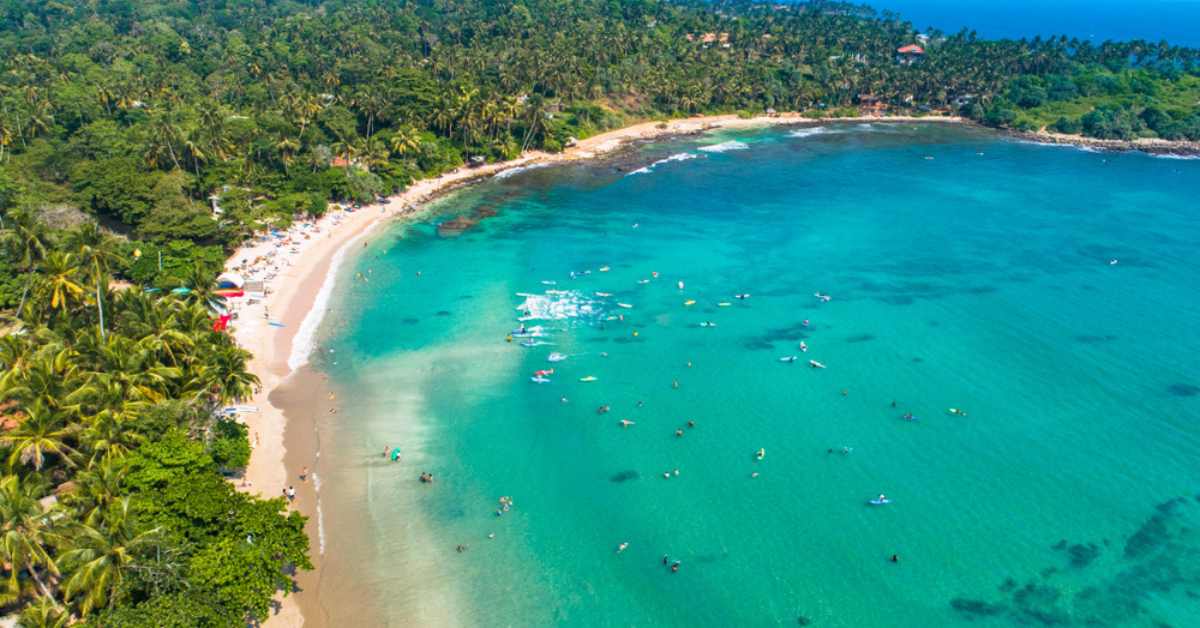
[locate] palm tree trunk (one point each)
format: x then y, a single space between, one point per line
45 591
100 306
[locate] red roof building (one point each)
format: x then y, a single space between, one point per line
911 49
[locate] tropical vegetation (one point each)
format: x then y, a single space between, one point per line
115 508
141 140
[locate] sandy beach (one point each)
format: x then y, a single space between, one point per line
299 267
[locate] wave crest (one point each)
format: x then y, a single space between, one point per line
809 131
724 147
675 157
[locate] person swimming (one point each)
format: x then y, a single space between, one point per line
626 422
622 547
678 433
602 409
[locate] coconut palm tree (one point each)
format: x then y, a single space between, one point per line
224 374
62 280
42 434
103 551
25 530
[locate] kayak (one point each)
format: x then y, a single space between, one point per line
539 379
588 378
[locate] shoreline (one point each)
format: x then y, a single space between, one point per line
1150 146
302 272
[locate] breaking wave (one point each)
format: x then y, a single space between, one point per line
675 157
724 147
556 305
809 131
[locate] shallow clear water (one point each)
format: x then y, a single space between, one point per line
965 270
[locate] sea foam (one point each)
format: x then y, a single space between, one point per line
675 157
724 147
504 174
556 305
306 337
809 131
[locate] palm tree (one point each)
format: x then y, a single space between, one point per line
224 374
103 552
24 532
99 488
96 257
62 274
27 237
46 612
43 432
405 141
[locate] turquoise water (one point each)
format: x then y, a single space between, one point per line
965 270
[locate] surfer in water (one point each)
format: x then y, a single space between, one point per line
882 498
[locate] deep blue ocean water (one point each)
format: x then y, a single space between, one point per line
1177 21
965 271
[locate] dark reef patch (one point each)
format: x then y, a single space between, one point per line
1161 557
1183 390
624 476
860 338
